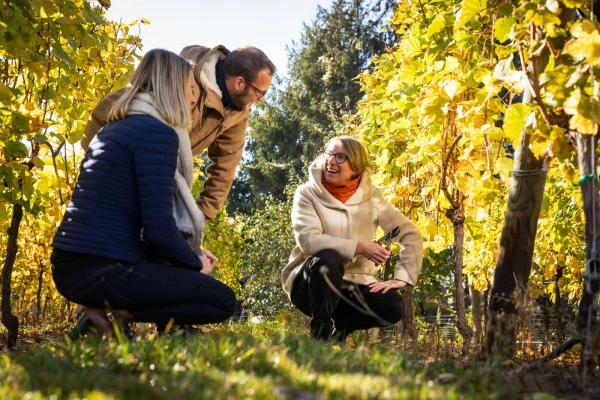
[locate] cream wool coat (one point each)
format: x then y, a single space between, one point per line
220 130
321 222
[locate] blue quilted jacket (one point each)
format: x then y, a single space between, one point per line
126 183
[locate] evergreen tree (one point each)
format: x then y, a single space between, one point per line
288 131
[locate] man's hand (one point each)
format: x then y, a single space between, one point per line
387 285
208 260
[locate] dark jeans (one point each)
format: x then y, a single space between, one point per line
150 292
315 298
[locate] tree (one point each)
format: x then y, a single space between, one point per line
515 253
444 103
288 131
431 126
58 58
269 241
558 74
324 64
271 157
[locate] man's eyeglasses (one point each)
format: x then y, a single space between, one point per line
340 158
259 92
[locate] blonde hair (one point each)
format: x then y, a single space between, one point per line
164 76
356 152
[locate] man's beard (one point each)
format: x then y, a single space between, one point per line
241 100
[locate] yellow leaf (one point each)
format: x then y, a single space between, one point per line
550 270
468 10
495 133
514 120
503 27
436 25
482 214
582 28
38 162
575 266
580 108
5 94
452 64
562 282
504 166
539 143
586 47
450 87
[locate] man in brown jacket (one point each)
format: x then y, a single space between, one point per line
229 83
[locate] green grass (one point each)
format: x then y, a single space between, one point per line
265 361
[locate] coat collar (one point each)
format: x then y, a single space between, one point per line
205 60
365 190
208 69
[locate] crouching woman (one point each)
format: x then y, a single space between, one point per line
335 216
122 209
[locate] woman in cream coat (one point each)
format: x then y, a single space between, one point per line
335 216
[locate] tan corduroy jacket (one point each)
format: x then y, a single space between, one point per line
222 131
322 222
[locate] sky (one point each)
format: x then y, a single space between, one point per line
270 25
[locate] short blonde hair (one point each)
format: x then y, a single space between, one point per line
164 76
356 152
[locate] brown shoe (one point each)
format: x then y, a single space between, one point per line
99 320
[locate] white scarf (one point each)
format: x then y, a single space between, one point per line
188 217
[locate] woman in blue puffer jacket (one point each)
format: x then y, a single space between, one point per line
133 199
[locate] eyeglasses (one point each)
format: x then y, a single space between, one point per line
340 158
260 93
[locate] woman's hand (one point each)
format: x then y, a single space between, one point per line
387 285
373 252
208 260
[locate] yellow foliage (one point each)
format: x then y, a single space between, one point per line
59 59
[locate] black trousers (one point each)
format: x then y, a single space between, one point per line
151 292
315 298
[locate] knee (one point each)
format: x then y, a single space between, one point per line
396 310
331 259
229 303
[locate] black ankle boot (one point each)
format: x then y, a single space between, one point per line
321 331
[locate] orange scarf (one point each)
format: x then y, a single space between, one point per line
341 192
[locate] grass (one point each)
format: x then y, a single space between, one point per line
269 360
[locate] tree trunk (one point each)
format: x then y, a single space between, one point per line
8 319
477 309
457 217
46 300
515 254
486 303
587 159
544 303
409 317
558 307
38 295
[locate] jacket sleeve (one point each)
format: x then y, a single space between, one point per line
225 154
155 162
410 239
308 229
99 117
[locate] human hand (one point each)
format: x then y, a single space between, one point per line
209 260
387 285
373 252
